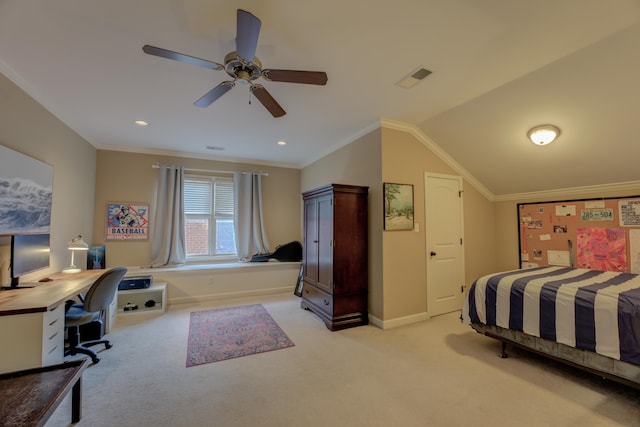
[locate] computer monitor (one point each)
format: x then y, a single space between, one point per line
29 253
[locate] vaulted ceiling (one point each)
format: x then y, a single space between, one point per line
499 67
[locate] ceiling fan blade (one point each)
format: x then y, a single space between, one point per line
247 35
291 76
267 100
164 53
213 95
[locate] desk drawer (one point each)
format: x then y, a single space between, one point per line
53 336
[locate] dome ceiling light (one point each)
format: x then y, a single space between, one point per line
544 134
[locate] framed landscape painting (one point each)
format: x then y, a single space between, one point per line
398 206
26 191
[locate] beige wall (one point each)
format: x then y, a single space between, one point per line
397 274
129 177
358 163
480 238
506 215
27 127
405 160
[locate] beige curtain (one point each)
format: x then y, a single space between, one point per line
168 244
251 238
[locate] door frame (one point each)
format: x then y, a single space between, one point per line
458 178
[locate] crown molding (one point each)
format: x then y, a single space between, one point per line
180 154
546 194
435 148
570 192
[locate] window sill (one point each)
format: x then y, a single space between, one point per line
134 271
218 259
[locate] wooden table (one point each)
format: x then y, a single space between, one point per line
29 398
47 295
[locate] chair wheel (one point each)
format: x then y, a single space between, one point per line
108 345
95 359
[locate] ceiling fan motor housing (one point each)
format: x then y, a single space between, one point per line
240 69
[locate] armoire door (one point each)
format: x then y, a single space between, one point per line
325 243
310 258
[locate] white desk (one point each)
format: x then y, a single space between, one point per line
32 321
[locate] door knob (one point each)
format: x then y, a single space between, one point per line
432 253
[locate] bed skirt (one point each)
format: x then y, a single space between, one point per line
616 370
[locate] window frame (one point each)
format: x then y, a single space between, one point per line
212 216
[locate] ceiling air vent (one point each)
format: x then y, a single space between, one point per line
414 78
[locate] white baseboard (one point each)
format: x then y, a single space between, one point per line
399 321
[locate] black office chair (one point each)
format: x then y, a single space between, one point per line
92 308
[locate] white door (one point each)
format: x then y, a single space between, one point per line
445 254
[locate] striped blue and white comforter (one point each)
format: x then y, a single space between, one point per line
592 310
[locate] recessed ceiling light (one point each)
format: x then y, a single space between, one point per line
141 123
281 143
214 147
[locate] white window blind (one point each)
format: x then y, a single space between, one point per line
197 197
223 191
208 211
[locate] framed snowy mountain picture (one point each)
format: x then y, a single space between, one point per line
26 189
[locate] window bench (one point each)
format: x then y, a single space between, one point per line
201 282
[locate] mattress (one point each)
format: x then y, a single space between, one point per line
592 310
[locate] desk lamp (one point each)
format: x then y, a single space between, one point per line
76 244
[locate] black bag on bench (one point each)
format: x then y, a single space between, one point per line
291 252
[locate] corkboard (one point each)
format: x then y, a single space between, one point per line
600 234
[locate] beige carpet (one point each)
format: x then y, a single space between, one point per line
434 373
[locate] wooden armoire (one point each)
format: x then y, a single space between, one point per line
335 254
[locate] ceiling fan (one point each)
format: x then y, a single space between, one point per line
244 67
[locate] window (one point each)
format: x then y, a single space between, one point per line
208 216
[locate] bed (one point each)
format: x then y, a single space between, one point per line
586 318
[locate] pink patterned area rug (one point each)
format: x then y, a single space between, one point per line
227 333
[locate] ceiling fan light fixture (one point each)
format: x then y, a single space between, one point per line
543 134
243 78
